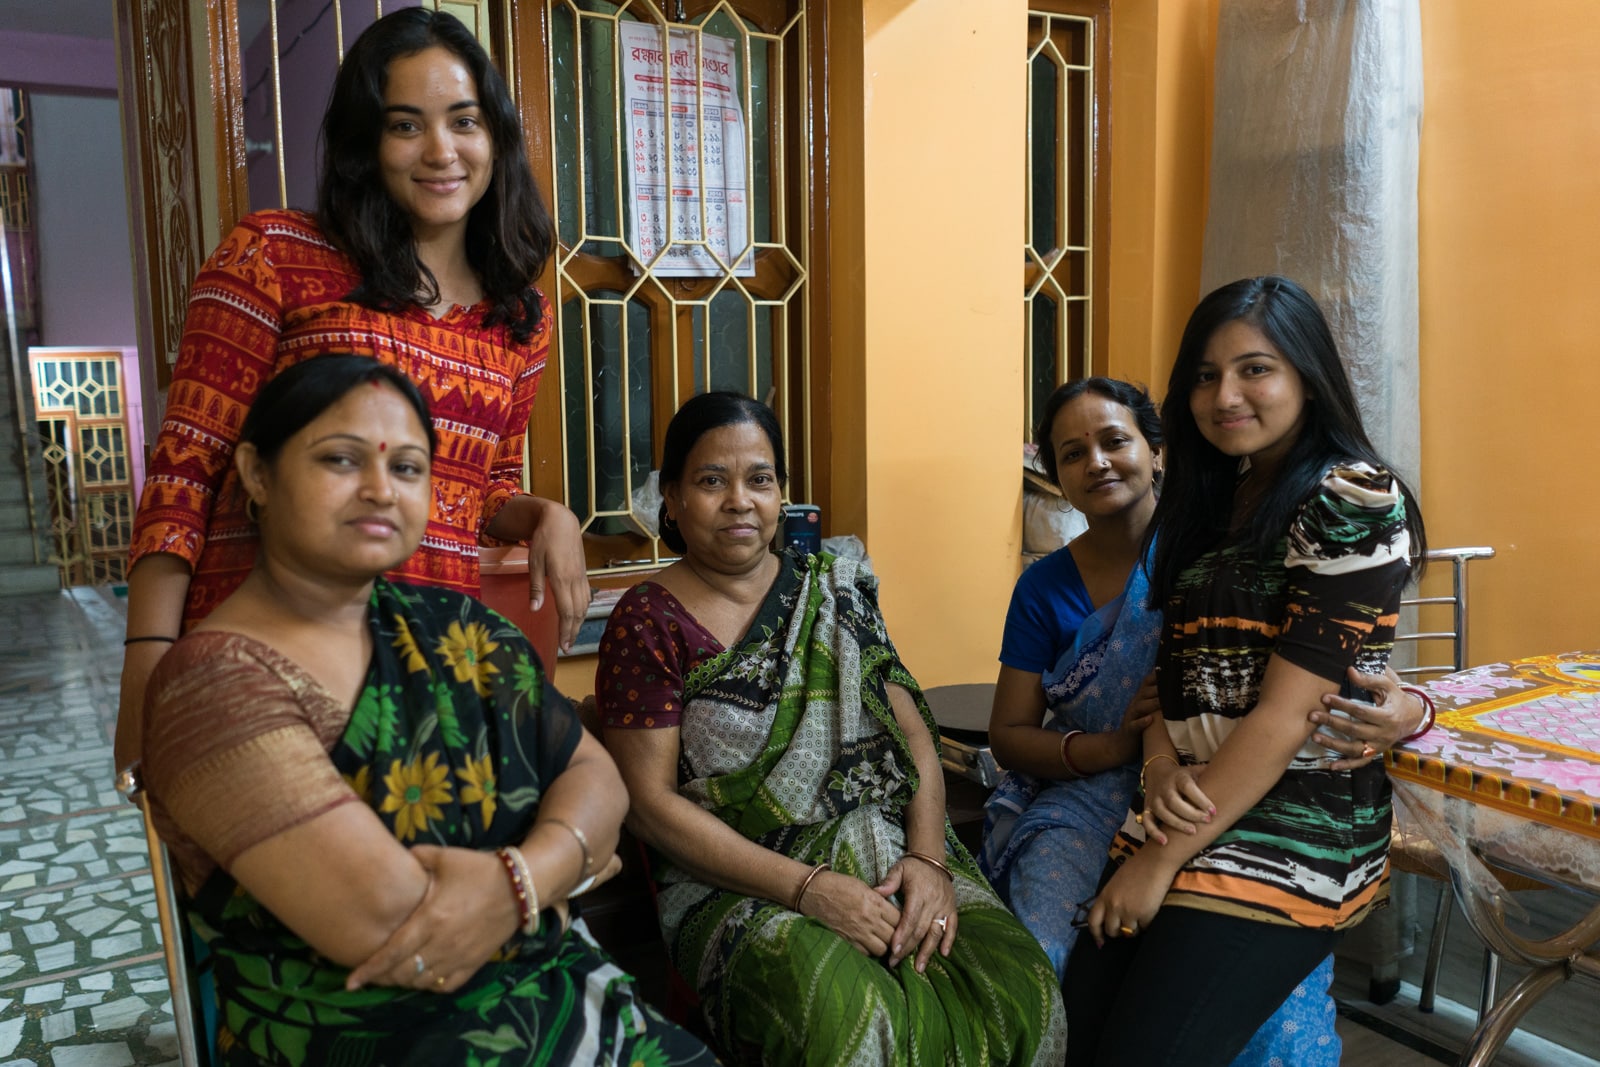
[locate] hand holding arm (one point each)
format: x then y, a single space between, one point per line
1395 714
469 910
1096 752
1252 758
1173 797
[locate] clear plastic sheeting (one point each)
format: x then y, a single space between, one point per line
1314 176
1466 833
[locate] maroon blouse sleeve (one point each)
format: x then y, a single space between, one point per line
650 644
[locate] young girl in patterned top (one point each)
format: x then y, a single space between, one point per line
1281 543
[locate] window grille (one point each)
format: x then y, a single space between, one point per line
1062 328
634 339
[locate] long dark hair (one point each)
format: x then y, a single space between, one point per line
698 416
293 399
1196 501
509 232
1133 397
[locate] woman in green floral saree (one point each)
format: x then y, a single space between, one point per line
379 805
780 759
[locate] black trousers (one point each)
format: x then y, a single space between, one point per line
1192 989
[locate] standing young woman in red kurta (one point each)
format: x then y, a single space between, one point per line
428 235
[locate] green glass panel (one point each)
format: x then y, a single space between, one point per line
620 440
1044 163
1046 356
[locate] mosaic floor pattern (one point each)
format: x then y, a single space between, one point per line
81 978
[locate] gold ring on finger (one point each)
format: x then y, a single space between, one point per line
1126 931
439 981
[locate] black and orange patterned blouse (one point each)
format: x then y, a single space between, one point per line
273 295
1314 851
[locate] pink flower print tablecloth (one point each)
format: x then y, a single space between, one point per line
1521 737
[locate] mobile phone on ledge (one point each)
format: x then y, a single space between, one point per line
802 528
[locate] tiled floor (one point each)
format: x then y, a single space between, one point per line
81 977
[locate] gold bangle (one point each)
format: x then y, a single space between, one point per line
582 839
818 869
1146 768
931 861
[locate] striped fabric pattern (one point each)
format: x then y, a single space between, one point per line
1314 851
272 295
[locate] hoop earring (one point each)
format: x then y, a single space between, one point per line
668 523
252 510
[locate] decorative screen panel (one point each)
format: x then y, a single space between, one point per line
645 324
83 424
1058 276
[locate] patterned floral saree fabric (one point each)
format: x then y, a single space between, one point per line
273 294
789 738
452 741
1314 851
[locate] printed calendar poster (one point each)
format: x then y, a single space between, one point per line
696 160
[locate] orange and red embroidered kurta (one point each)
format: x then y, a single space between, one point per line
273 294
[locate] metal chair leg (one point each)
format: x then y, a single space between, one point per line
1491 979
1441 927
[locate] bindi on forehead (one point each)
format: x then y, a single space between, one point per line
383 446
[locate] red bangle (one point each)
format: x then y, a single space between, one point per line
1428 716
1066 753
522 888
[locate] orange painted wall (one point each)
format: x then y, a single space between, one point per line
1161 69
942 189
927 154
943 156
1510 270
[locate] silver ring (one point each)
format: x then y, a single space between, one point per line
417 959
944 923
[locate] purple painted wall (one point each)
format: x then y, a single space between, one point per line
81 219
48 62
308 56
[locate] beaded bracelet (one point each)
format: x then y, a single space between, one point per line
1427 716
932 861
1066 753
583 843
1146 768
800 895
522 887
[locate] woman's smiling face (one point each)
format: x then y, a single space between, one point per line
436 155
1104 465
1247 398
728 502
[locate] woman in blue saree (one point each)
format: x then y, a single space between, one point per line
1075 693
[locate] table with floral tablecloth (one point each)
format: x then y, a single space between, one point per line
1510 774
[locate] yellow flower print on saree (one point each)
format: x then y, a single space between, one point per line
478 786
416 791
406 645
465 650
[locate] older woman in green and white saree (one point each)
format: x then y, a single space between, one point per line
781 762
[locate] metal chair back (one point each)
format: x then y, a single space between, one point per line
183 978
1458 558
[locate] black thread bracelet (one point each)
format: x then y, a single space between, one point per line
154 637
